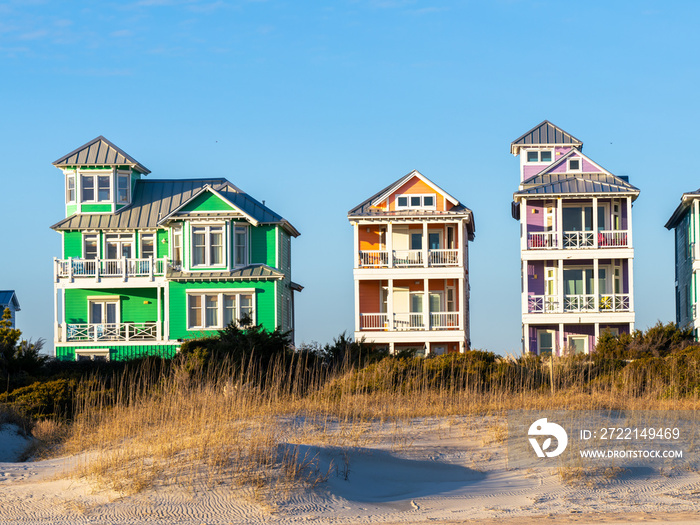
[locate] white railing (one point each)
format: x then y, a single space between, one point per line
579 240
619 302
612 239
444 320
108 268
447 257
408 321
374 321
541 240
108 332
374 258
538 304
408 258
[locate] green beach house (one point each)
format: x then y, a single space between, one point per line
146 264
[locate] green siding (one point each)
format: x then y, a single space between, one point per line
264 304
120 353
262 245
162 247
95 208
72 244
131 304
208 202
71 209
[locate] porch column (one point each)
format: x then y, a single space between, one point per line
390 243
560 223
595 222
390 306
696 225
56 333
460 233
357 305
629 222
356 245
560 286
426 304
526 338
462 305
159 317
523 225
596 284
524 286
425 245
561 339
630 282
597 334
391 348
166 298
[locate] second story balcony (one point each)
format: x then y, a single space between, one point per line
440 258
114 269
606 303
577 240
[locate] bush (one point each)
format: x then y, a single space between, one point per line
52 399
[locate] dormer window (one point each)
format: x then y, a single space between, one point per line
123 187
415 202
539 156
70 187
574 164
95 187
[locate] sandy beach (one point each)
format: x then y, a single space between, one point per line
432 471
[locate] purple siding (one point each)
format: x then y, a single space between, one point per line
530 170
534 217
535 286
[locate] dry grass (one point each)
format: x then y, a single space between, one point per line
222 426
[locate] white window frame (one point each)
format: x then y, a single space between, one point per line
104 300
153 235
422 205
539 156
95 175
96 236
177 231
585 342
207 245
121 175
235 227
123 238
203 293
71 175
575 170
554 340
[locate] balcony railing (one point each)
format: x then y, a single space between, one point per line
578 240
408 258
108 268
108 332
538 304
404 321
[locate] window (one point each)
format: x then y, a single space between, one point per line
70 187
147 245
574 164
539 156
177 245
123 187
218 310
545 342
90 247
416 241
240 246
415 201
207 245
96 187
119 245
578 344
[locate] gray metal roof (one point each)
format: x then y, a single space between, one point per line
574 184
545 133
682 208
7 297
99 152
155 200
253 272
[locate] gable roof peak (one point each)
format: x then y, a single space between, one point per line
100 152
545 133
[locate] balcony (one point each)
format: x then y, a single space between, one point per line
406 321
408 258
577 240
538 304
98 269
101 332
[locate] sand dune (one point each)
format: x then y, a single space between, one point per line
440 471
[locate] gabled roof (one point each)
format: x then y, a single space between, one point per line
8 297
253 272
575 184
545 133
156 201
680 211
100 152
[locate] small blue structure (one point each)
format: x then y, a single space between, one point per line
8 299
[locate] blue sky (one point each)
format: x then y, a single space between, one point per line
315 106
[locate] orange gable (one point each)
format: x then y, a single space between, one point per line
416 186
